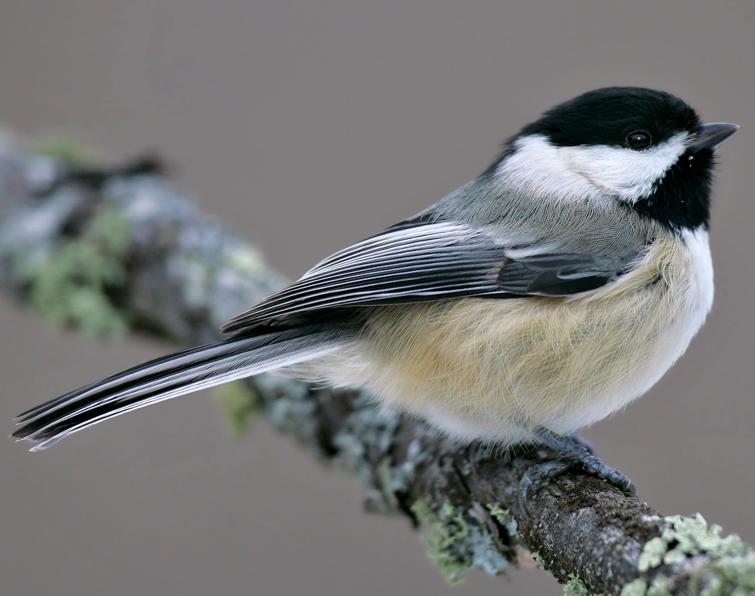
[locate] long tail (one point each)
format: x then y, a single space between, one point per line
171 376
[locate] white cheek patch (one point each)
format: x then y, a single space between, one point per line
568 173
630 174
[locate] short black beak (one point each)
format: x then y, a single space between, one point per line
710 136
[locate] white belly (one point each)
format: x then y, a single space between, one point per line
496 369
690 301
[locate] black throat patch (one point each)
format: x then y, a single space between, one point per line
681 200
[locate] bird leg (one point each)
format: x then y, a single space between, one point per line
580 440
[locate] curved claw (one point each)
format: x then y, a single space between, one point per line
538 474
614 477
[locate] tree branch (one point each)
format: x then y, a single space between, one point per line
115 251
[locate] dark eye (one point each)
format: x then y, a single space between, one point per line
639 140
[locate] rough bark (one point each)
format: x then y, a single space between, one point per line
121 250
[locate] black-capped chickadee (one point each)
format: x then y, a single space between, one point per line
545 294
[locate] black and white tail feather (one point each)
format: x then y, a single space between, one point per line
173 376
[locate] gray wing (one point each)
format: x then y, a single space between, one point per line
429 261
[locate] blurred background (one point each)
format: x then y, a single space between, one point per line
306 125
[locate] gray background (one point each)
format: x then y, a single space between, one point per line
307 125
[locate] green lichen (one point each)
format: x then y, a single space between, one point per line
504 517
639 587
636 588
240 403
67 150
538 558
575 587
499 513
246 262
445 535
728 567
72 283
659 587
734 575
653 553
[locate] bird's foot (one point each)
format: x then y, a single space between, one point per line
574 454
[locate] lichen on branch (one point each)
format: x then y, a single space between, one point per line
73 285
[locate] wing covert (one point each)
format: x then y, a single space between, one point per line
429 261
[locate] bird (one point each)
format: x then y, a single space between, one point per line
540 297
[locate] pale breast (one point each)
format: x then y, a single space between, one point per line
493 369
